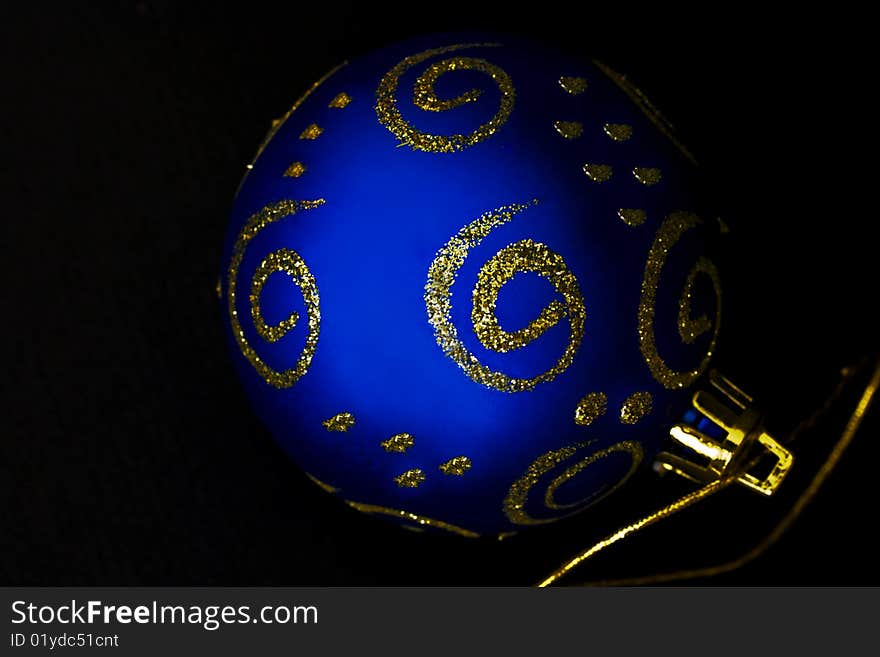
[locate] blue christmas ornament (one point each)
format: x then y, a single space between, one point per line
467 283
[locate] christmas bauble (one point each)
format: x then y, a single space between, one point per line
467 283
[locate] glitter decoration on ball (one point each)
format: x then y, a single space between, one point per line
469 284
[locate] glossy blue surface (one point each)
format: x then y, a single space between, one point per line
390 208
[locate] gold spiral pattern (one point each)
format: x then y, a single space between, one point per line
523 256
670 231
514 505
425 98
289 262
285 260
690 328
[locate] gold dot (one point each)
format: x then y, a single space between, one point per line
635 407
410 479
618 131
569 129
295 170
647 176
574 86
398 443
340 101
339 422
456 466
590 408
312 132
598 172
632 217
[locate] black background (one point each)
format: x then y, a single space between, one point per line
128 453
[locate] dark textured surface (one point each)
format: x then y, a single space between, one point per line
129 455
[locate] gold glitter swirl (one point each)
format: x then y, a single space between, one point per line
525 256
340 101
670 231
289 262
339 422
689 328
635 407
408 516
634 450
410 479
398 443
456 466
573 85
312 132
295 170
648 176
514 504
618 131
569 129
521 256
632 217
590 408
425 97
598 172
302 277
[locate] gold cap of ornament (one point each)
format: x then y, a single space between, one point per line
746 443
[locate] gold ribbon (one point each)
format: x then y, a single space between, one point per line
843 442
